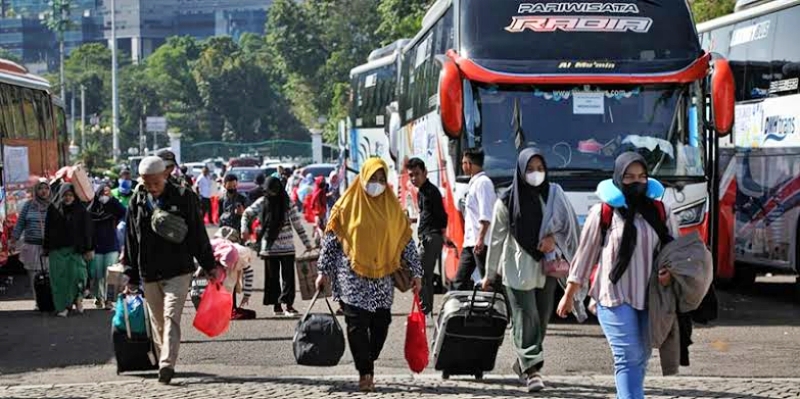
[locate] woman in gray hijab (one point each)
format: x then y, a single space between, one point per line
623 252
30 228
533 221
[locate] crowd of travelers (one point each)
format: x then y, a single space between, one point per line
521 242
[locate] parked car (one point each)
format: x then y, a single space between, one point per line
319 169
247 177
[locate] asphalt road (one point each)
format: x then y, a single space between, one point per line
757 335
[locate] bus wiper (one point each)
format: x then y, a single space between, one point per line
579 172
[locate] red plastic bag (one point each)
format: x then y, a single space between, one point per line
214 314
416 339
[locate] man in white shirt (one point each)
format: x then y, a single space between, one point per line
205 188
478 208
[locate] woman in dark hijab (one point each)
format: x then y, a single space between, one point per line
69 242
533 221
624 256
276 243
105 211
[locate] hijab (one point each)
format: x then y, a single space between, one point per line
97 209
40 200
317 203
635 204
273 214
373 231
61 206
525 204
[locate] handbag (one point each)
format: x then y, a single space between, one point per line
214 313
558 267
318 339
416 349
167 225
402 278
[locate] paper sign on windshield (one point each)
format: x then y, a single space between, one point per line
588 103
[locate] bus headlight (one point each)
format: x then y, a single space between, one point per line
691 215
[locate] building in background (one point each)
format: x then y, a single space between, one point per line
142 25
23 34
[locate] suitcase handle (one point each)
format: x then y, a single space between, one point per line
472 300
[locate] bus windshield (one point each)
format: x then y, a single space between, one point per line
623 36
582 129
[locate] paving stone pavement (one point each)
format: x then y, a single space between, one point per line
404 387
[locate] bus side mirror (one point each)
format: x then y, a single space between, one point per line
451 99
723 97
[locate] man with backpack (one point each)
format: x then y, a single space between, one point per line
164 234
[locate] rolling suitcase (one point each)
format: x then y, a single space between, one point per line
470 331
41 285
134 351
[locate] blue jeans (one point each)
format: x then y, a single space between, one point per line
626 330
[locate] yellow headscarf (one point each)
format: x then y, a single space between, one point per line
373 231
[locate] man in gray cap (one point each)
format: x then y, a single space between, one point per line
162 256
170 162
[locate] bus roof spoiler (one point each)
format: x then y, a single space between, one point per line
745 4
475 72
387 50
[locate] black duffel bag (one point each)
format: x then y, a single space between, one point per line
318 338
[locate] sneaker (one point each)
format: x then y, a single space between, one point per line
278 309
63 313
535 382
291 312
79 307
165 375
99 304
518 371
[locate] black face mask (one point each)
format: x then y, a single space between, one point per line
231 191
634 190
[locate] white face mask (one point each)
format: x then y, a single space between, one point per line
104 199
375 189
535 178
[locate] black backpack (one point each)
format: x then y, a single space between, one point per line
318 338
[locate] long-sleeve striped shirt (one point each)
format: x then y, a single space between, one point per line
631 289
30 222
284 244
248 277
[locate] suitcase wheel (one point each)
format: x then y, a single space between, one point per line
445 376
479 376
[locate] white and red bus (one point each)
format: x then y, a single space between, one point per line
760 163
33 140
373 88
582 81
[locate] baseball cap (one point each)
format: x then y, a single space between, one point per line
168 157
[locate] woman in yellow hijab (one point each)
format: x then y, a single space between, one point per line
368 238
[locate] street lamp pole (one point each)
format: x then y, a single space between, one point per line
83 116
114 94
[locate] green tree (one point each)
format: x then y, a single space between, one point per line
316 44
90 65
8 55
238 90
169 69
705 10
138 99
401 18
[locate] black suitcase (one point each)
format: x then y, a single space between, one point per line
470 331
44 294
134 352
